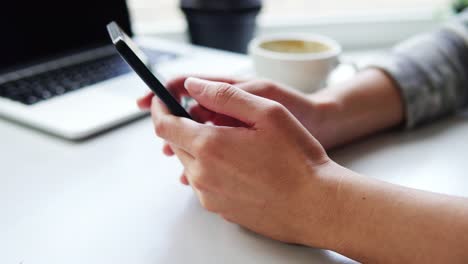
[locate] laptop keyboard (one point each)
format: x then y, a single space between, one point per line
43 86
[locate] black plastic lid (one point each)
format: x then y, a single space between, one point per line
221 5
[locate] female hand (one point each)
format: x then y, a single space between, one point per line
264 175
315 112
311 110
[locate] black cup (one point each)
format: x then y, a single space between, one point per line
222 24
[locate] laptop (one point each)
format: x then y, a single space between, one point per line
60 74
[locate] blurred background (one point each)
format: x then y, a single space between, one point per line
380 22
166 12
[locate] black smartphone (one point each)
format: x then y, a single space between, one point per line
136 59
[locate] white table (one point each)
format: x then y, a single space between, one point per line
116 199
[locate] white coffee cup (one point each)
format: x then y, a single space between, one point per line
300 60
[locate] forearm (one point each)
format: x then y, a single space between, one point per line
431 71
368 103
377 222
420 80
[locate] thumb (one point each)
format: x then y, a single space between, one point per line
226 99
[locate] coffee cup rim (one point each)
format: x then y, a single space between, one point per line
256 49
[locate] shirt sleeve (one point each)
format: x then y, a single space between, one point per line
431 71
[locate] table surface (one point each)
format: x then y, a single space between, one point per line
116 199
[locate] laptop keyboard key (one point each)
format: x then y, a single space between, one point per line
31 99
58 90
45 94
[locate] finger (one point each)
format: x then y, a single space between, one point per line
178 131
211 201
184 180
185 158
227 99
144 103
177 89
179 81
253 87
203 115
167 150
158 106
266 89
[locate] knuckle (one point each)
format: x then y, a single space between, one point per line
228 218
274 110
204 181
199 172
159 127
199 184
200 144
265 82
206 144
211 142
207 204
224 93
200 178
265 86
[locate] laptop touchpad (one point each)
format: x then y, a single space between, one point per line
128 85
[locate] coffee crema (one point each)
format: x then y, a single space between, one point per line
295 46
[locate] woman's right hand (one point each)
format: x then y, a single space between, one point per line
314 111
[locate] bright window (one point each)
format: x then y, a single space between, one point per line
166 13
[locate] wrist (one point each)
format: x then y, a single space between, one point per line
324 224
368 103
326 117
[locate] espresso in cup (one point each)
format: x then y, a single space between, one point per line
301 61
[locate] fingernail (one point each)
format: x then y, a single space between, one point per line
194 85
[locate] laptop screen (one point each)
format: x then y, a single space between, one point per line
33 31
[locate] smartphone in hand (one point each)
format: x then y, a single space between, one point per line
136 59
